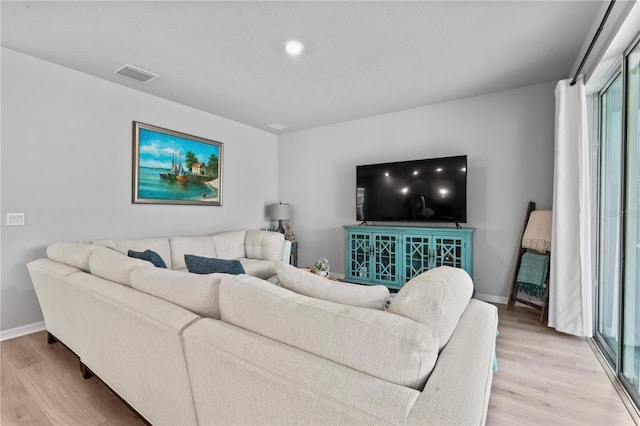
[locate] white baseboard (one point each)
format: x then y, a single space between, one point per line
21 331
491 299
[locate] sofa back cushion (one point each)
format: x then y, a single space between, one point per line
159 245
197 293
264 269
73 254
313 285
114 266
230 245
382 345
200 245
437 298
264 245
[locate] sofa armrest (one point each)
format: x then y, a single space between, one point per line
286 252
458 389
48 279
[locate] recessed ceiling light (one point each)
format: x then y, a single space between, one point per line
294 47
277 126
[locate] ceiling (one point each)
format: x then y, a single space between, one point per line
361 58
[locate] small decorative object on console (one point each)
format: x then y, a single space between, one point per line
288 232
321 267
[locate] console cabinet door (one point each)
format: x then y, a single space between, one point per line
417 255
386 255
449 251
359 256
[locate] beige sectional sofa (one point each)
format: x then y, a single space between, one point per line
256 348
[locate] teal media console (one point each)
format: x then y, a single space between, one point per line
392 255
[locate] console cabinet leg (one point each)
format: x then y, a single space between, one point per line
51 339
86 373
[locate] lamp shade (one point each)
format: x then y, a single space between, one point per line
281 211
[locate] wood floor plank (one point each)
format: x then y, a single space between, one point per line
61 398
18 353
17 407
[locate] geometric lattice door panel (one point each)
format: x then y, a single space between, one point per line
448 252
417 250
359 255
385 258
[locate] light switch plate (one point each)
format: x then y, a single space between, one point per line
15 219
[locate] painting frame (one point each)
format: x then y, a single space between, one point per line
169 167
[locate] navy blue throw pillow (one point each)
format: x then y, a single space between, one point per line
209 265
149 256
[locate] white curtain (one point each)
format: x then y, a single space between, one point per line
570 295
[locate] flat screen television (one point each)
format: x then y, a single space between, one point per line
428 190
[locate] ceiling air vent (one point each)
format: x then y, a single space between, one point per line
137 74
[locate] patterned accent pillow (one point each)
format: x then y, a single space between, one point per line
149 256
210 265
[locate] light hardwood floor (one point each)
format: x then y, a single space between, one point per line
550 378
543 377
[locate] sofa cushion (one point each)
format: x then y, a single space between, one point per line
197 293
264 245
210 265
437 298
114 266
149 256
313 285
230 245
286 386
202 245
386 346
264 269
74 254
160 245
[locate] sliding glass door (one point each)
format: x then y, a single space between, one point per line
610 214
630 367
618 286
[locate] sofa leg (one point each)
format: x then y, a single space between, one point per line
51 339
86 373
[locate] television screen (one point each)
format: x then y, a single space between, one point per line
429 190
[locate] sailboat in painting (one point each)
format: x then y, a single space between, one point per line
174 171
181 176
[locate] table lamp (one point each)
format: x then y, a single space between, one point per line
280 212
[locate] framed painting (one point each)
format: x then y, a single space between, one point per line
170 167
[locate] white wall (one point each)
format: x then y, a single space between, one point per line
66 163
508 137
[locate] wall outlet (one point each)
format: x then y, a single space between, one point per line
15 219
